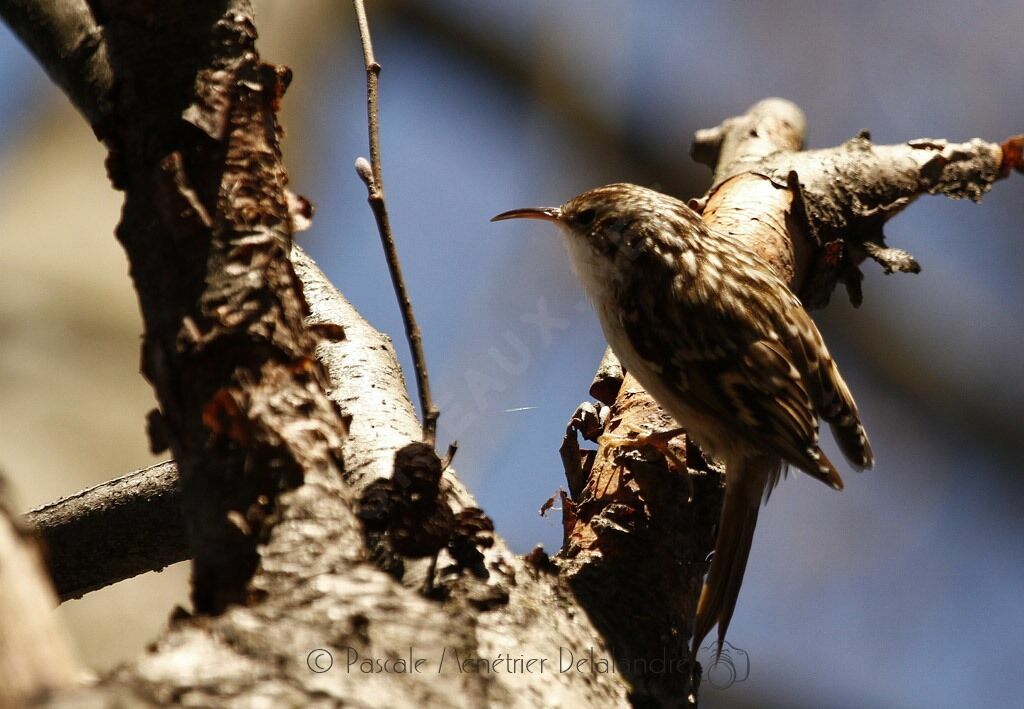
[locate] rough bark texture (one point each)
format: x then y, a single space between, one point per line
840 197
635 549
207 229
280 553
318 594
503 606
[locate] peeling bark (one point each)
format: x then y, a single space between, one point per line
207 228
821 212
318 593
280 556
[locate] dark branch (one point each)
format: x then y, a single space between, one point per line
64 37
113 531
372 176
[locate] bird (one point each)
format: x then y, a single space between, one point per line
719 340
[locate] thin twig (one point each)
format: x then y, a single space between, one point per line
371 175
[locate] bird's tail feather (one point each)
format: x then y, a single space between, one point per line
745 485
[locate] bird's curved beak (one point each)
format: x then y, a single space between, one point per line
550 214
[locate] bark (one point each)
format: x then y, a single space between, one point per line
111 532
269 483
65 38
207 229
478 618
824 210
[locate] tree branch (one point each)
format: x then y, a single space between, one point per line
113 531
64 37
825 209
367 385
133 524
207 228
320 595
373 177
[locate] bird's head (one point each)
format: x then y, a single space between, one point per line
618 221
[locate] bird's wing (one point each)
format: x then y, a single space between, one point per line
831 396
725 353
761 390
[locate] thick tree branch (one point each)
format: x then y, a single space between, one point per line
319 595
207 229
64 37
367 385
133 524
821 212
258 444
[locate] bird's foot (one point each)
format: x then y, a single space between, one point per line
637 437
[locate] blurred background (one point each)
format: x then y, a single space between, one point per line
902 591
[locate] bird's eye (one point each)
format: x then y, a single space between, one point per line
586 217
